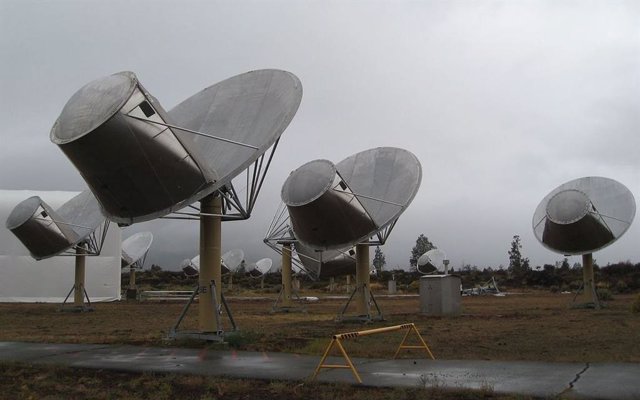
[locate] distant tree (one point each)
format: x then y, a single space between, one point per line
518 265
379 260
422 246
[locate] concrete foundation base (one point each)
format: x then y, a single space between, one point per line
440 295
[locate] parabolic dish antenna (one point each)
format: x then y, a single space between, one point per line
195 263
46 232
328 263
190 267
135 249
432 261
337 206
260 268
584 215
231 261
195 266
142 162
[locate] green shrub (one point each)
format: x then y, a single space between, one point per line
240 339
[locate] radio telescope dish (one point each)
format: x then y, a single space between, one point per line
327 263
337 206
432 261
191 267
142 162
47 233
135 249
232 259
584 215
260 268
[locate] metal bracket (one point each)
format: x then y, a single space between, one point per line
70 308
209 336
367 318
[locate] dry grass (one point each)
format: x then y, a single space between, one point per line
530 326
23 381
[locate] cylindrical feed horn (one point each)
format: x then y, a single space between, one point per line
38 227
328 263
571 227
323 212
134 167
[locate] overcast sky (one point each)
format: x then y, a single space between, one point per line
501 101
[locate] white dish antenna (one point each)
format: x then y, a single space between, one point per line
584 215
260 268
432 261
46 232
190 267
135 249
327 263
143 162
232 259
334 207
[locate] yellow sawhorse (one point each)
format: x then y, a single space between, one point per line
336 341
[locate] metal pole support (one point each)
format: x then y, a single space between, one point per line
210 262
590 295
363 282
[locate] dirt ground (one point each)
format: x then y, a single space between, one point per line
524 326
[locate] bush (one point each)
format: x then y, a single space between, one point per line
621 286
635 306
575 285
240 339
604 294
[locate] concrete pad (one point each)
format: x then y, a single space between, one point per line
527 378
540 379
609 380
27 352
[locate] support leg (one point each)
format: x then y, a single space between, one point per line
590 295
362 279
210 262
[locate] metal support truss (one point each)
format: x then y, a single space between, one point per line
92 244
367 318
75 308
275 308
218 336
280 232
235 206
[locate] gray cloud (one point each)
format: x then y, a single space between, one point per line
501 101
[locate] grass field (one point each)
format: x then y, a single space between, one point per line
533 326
